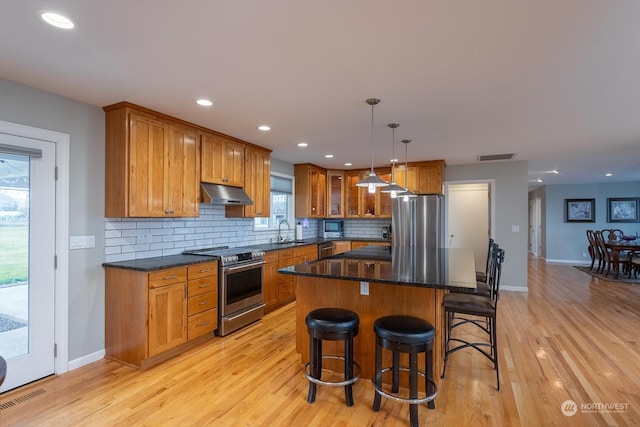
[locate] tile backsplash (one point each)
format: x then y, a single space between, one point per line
133 238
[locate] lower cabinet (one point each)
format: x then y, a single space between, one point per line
278 289
151 316
285 282
341 246
355 244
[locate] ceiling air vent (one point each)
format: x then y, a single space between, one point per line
492 157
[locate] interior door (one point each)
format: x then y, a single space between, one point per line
27 252
468 218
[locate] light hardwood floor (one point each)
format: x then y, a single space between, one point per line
571 337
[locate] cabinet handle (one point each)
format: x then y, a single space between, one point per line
169 277
204 323
204 302
206 270
205 285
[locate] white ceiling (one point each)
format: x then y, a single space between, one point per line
555 81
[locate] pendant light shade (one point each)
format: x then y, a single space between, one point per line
372 181
406 195
393 188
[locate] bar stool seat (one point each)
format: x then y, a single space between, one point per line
331 324
405 334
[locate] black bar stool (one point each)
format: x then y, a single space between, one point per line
331 324
405 334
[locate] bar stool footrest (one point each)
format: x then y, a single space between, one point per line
350 381
416 401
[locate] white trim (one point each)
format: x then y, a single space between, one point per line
568 261
514 288
86 359
61 140
492 195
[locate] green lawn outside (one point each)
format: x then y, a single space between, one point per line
14 254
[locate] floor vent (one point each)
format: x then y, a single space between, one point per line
491 157
11 403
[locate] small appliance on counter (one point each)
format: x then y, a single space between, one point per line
331 229
386 232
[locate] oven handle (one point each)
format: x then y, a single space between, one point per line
244 313
242 267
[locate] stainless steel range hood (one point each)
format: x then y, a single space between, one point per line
225 195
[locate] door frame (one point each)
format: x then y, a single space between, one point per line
492 203
61 274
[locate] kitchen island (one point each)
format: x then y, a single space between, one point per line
376 281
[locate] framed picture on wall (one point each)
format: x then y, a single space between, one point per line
623 209
580 210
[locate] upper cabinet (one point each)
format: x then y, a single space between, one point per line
152 166
363 204
257 184
222 160
311 191
335 194
422 177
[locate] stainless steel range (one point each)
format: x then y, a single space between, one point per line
239 286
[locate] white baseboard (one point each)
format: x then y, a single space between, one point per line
568 261
85 360
514 288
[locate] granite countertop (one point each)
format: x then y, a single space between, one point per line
406 266
169 261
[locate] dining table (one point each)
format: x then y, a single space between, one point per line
621 245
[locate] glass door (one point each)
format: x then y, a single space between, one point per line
27 252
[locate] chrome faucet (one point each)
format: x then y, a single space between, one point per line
279 229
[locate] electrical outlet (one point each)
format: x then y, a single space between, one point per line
364 288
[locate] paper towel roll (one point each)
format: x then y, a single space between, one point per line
298 231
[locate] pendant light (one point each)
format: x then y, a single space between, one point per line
407 194
393 188
372 181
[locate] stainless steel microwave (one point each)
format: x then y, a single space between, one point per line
332 229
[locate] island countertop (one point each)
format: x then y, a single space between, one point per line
440 268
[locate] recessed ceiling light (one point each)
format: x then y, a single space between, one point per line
608 174
393 160
57 20
302 144
329 156
539 180
204 102
264 128
556 171
348 164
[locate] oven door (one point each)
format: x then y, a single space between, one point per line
240 287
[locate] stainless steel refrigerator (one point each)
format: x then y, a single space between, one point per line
418 221
418 235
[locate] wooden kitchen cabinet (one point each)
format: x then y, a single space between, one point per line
222 160
357 244
422 177
341 246
152 166
257 184
270 280
362 204
311 192
286 292
335 194
302 254
151 316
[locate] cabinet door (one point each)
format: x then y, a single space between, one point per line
335 194
222 160
183 168
167 317
256 184
318 191
270 284
430 177
233 164
383 200
353 194
147 166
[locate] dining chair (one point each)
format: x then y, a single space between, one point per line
594 252
612 233
607 258
483 312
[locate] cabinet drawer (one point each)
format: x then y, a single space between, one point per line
285 278
285 291
202 302
166 277
271 256
301 251
203 269
202 285
285 253
202 323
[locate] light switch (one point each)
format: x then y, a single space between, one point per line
82 242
